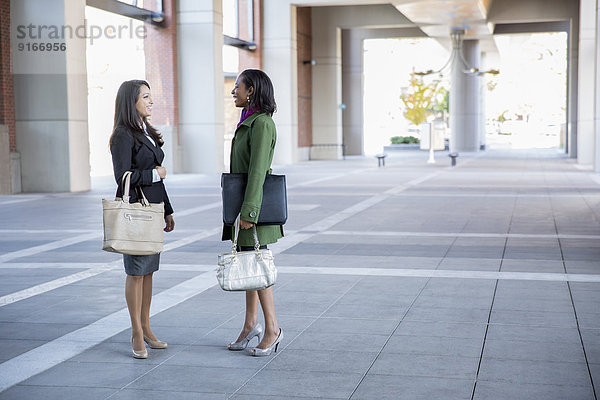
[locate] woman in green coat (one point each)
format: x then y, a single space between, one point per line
252 153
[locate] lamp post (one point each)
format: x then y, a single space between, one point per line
431 152
464 101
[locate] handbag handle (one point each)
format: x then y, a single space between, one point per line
126 181
237 231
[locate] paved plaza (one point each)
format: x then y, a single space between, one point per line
411 281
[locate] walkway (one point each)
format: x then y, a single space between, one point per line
412 281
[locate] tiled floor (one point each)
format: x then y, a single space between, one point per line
413 281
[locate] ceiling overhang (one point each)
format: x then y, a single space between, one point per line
438 17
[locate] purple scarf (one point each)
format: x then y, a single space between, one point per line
245 114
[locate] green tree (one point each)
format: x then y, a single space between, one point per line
441 100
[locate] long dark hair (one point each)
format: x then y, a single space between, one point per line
263 98
126 115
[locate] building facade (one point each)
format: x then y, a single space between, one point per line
312 50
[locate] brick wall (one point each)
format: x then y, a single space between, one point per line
160 48
7 98
304 37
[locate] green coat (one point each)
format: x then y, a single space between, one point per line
252 153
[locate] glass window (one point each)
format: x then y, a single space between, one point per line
238 19
230 18
150 5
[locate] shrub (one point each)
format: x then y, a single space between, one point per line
404 140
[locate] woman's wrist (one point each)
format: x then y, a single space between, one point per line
155 175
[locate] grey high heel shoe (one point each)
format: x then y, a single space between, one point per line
242 344
256 352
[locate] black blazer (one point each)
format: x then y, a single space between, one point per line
139 157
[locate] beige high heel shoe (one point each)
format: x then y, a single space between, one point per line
155 344
139 354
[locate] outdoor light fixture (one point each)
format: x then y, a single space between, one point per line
309 62
456 36
132 9
239 43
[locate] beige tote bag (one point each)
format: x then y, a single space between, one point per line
134 229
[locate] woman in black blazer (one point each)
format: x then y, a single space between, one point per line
135 146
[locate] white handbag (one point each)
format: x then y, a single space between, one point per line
246 270
134 229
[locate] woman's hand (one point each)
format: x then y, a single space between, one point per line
162 172
170 223
245 224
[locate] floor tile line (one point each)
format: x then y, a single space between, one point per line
592 208
495 195
398 325
444 194
48 246
275 355
460 234
96 234
13 231
53 265
191 239
595 177
487 327
585 356
329 177
54 352
195 210
186 347
437 273
489 318
67 280
55 284
468 263
397 272
7 202
389 338
332 220
290 242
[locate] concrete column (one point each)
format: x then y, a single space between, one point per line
51 97
352 91
482 99
596 161
5 178
464 101
200 80
280 63
327 86
572 88
352 80
588 41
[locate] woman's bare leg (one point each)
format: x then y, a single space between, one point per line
251 313
145 312
271 326
133 296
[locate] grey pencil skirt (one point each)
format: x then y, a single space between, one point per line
141 265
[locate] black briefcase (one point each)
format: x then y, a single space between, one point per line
273 210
